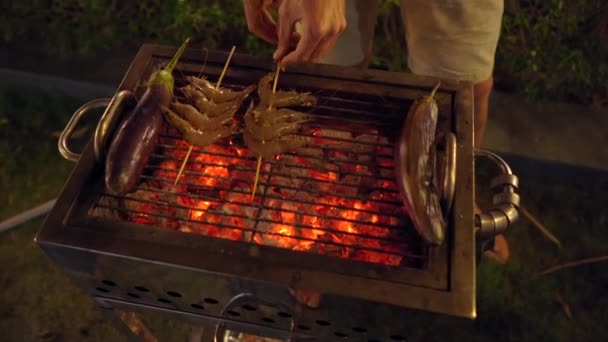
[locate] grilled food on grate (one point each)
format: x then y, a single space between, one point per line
415 169
271 131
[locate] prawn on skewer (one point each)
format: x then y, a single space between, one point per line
195 136
270 131
268 125
281 98
198 120
209 116
219 95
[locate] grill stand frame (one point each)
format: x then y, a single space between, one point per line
91 252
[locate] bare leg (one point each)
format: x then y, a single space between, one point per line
481 92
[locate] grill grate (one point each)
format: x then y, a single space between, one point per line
337 196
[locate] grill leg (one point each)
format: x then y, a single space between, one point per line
128 323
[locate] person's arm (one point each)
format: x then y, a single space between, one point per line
322 21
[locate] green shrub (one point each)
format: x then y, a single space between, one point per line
555 49
90 26
552 49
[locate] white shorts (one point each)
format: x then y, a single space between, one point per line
450 39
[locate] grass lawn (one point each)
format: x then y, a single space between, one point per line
38 302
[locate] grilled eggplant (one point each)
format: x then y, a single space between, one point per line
134 141
415 169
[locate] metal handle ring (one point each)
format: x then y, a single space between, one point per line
106 123
446 169
495 158
220 329
504 211
109 119
67 132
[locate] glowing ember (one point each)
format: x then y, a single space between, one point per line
335 198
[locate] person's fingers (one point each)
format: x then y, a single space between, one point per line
306 46
286 28
327 42
259 21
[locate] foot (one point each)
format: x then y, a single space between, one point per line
500 251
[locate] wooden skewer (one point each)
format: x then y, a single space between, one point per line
257 170
217 86
571 264
543 229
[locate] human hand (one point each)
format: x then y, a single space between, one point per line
259 20
322 21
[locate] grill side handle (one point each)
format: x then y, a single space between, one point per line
445 169
114 108
505 203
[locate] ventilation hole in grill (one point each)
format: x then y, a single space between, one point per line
133 295
284 314
109 283
141 289
233 313
340 334
211 301
303 327
397 338
360 330
174 294
101 289
268 320
197 307
323 323
164 300
249 307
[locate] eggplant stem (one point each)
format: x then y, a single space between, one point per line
217 86
435 89
173 62
257 172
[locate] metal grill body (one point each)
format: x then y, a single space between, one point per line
203 252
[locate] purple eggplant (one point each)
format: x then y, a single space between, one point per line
134 141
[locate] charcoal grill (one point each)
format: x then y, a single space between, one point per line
244 271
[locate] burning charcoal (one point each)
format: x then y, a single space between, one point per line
372 138
146 207
328 133
278 238
106 208
237 203
327 249
193 189
186 229
309 156
310 298
378 257
287 182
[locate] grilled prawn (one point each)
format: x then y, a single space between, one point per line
266 125
218 95
194 136
281 98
